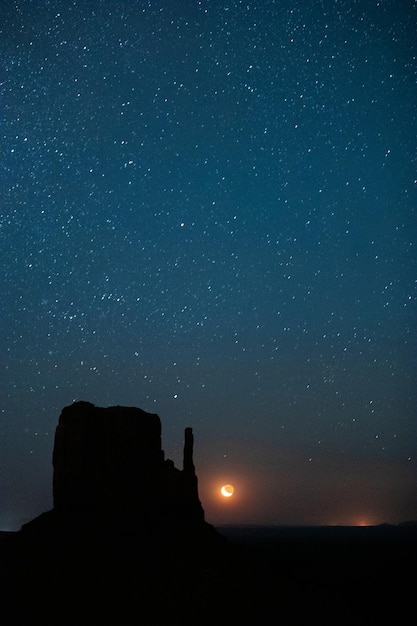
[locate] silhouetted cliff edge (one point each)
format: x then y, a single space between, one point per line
127 543
109 466
126 540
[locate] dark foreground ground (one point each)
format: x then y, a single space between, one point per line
284 576
334 575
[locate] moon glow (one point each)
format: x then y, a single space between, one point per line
227 490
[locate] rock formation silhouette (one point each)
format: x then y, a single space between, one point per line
126 543
108 462
126 540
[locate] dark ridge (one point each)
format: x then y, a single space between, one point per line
126 539
127 543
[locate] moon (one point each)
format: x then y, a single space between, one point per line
227 491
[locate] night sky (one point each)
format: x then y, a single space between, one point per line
208 210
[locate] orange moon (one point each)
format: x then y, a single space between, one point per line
227 491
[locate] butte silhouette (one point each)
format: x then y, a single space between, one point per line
126 540
109 464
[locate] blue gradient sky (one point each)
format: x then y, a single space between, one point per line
208 210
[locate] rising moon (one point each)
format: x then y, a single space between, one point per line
227 490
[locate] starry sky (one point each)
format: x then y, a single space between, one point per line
208 210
